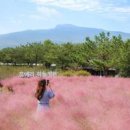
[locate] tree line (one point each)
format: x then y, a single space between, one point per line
103 52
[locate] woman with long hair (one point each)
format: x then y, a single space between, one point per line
43 93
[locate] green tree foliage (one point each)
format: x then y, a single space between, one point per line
125 59
102 53
49 53
7 55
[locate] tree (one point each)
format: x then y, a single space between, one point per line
89 49
49 53
125 60
6 55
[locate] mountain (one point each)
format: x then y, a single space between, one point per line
59 34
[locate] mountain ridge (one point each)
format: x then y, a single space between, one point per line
60 34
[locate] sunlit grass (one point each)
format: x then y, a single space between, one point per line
10 71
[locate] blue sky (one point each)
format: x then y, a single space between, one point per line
18 15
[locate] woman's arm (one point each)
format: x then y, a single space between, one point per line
51 92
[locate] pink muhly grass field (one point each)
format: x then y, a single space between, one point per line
81 103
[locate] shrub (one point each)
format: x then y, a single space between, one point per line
82 73
67 73
75 73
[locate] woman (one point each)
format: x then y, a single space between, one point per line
43 94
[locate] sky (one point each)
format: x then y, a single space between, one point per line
19 15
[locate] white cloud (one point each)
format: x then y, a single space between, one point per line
111 9
45 13
71 4
122 9
89 5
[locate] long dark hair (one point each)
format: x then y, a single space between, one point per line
41 88
1 85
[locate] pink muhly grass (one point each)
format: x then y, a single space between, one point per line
81 103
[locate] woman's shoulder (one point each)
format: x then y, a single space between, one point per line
50 93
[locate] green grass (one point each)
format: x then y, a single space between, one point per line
9 71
